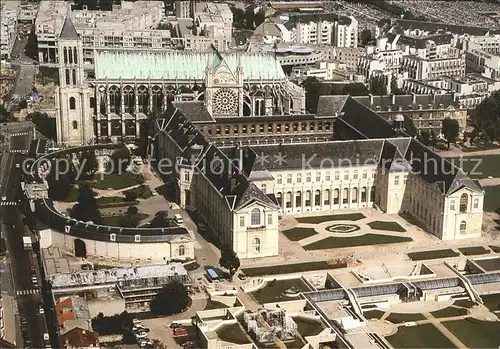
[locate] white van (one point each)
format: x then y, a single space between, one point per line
178 218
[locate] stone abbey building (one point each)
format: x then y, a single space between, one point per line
129 86
246 152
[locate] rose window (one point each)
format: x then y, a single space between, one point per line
225 101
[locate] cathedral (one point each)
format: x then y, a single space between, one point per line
108 102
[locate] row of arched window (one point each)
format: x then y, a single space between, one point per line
129 96
318 198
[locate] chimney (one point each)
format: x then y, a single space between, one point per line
371 98
411 157
393 96
414 97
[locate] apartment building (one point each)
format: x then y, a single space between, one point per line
349 56
183 9
8 32
132 25
213 19
322 29
484 63
469 90
426 110
422 68
380 61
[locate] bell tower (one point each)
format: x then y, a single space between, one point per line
74 115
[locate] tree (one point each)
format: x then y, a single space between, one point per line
59 184
425 137
409 126
44 124
365 37
394 87
129 221
260 17
23 104
116 324
249 17
120 159
238 17
159 220
130 195
88 163
378 87
173 298
86 209
132 210
229 259
486 118
450 129
433 138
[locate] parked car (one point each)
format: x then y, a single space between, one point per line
136 321
32 268
174 325
180 332
46 336
41 310
140 334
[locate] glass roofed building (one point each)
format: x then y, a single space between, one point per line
130 86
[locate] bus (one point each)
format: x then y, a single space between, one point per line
212 275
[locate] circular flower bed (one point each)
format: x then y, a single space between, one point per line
342 228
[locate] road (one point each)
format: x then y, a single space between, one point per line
27 295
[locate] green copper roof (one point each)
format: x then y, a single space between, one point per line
181 65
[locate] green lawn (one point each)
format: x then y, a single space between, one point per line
233 334
492 199
474 250
333 217
73 195
307 327
490 264
298 233
273 291
390 226
491 301
291 268
475 333
114 221
482 165
116 181
142 191
449 312
399 318
214 305
373 314
363 240
421 336
465 303
434 254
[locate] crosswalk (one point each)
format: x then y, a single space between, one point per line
27 292
19 134
17 151
8 203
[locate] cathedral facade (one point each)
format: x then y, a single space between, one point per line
127 87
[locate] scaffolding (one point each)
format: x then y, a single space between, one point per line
269 325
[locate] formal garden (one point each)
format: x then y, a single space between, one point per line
344 230
110 196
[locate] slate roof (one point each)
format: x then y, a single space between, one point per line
196 111
48 214
363 120
217 165
330 105
326 154
68 30
419 43
428 165
434 27
406 102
